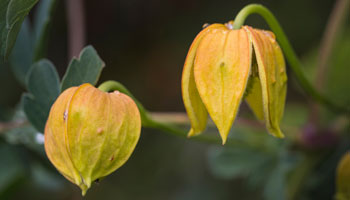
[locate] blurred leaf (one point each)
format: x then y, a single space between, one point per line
86 69
11 168
231 163
295 115
42 23
276 184
12 14
338 82
10 92
262 162
320 182
47 179
27 136
5 113
24 134
22 55
32 45
43 87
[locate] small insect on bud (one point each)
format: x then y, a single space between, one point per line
90 133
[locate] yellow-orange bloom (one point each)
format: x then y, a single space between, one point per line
222 67
90 133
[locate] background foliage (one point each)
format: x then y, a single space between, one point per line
143 45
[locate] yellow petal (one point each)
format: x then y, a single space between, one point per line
55 146
272 75
90 133
121 142
254 97
221 70
195 109
102 131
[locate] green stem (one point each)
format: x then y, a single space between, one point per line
148 122
109 86
289 52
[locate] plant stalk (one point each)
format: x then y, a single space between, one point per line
149 122
289 53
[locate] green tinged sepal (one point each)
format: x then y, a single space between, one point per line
90 133
268 96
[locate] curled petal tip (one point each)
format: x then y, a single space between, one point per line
84 189
194 132
224 131
224 139
277 133
191 133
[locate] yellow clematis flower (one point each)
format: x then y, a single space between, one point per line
222 67
90 133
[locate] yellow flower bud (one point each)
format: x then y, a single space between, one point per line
343 178
90 133
220 64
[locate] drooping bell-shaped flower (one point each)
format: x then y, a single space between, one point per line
222 67
90 133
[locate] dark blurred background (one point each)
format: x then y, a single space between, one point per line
144 44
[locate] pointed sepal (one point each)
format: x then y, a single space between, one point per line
221 71
195 108
272 76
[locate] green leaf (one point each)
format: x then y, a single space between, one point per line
43 88
255 151
86 69
32 45
275 187
337 81
42 25
22 55
25 134
228 163
263 161
11 168
10 91
12 14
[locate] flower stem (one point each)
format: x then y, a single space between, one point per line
149 122
289 53
109 86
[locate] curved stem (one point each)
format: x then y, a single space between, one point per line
148 121
289 52
109 86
